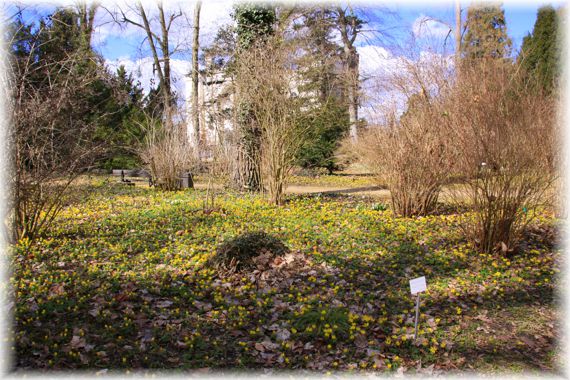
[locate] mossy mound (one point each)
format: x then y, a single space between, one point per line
241 252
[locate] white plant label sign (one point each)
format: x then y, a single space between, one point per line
418 285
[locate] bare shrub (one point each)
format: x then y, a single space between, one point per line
506 133
268 85
223 164
218 172
50 138
166 153
486 135
409 153
409 156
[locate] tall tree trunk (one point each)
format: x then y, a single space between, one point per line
348 32
352 67
163 44
195 109
249 170
156 41
156 60
249 153
165 48
254 25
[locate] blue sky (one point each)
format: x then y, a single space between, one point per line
520 18
520 21
116 43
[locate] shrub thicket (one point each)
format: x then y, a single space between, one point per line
486 134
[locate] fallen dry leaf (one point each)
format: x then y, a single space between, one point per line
360 341
283 334
163 304
77 342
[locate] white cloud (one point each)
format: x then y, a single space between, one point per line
213 15
378 67
376 60
426 27
142 71
376 63
106 27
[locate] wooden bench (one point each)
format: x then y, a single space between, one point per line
133 173
185 179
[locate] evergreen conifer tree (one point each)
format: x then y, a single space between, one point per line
540 51
486 32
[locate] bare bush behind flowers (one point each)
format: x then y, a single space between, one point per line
50 140
166 152
484 140
409 153
268 84
506 135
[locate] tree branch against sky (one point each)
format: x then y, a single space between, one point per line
384 32
158 39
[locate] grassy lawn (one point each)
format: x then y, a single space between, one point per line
338 180
119 282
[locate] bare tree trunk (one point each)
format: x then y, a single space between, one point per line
353 63
156 60
348 33
165 48
248 175
86 17
195 109
249 158
162 41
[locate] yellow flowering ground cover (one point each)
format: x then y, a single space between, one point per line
119 282
323 180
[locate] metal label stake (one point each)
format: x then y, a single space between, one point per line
417 285
417 316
